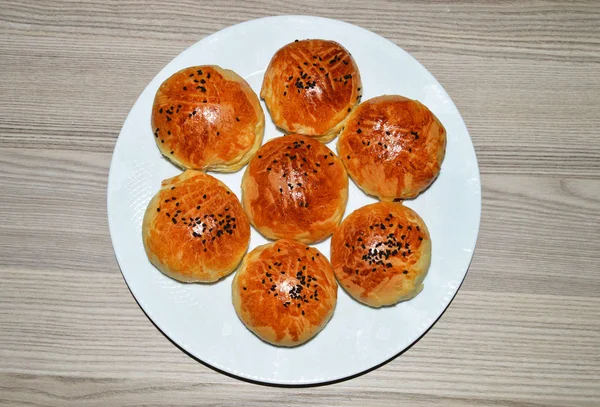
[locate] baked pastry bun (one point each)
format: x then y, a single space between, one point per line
310 86
284 292
393 147
295 188
381 253
195 229
207 118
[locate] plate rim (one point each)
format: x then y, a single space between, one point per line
274 381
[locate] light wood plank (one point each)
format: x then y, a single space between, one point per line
84 329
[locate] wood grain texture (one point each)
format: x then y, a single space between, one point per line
524 330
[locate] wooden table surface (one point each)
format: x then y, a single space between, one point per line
524 329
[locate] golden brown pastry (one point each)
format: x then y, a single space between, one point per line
310 86
195 229
295 188
285 292
207 118
393 147
381 253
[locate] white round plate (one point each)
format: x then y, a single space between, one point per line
200 317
